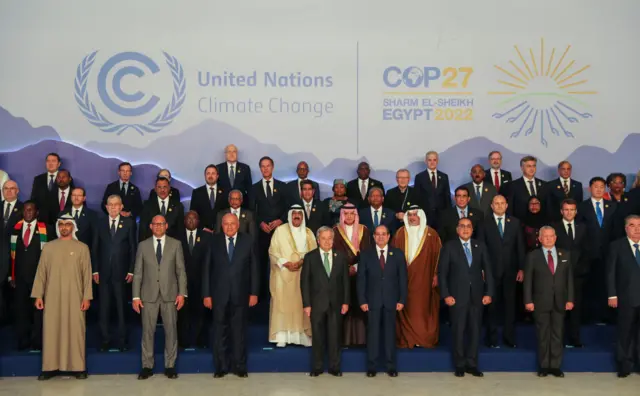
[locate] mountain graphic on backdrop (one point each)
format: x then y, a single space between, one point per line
16 132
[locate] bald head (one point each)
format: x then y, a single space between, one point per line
230 224
158 226
231 153
10 190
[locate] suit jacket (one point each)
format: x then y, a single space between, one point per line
167 279
433 200
86 225
50 212
396 201
114 258
132 200
544 289
387 217
40 191
194 260
25 264
486 196
555 196
320 215
598 238
294 191
247 222
174 217
623 274
231 281
353 191
320 291
505 179
174 194
266 209
518 197
577 246
382 288
5 236
449 222
201 204
14 216
629 204
241 182
459 280
506 254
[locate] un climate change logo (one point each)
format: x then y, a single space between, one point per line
134 109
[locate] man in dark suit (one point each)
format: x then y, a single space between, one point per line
174 193
623 280
324 284
598 215
358 189
113 258
295 186
84 217
572 237
560 189
548 293
269 204
401 197
59 199
10 214
171 210
375 214
235 175
480 190
523 188
246 216
502 235
45 183
209 199
231 283
495 174
129 192
316 212
466 285
382 291
449 217
433 188
192 323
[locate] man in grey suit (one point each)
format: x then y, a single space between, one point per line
245 216
159 284
548 293
480 192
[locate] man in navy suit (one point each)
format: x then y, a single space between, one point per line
562 188
235 175
525 187
375 215
113 259
163 205
129 192
209 199
623 286
433 189
496 175
316 212
295 186
358 189
45 183
466 285
58 199
84 217
382 291
230 284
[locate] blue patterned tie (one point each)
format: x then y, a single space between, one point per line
599 214
212 198
376 220
635 245
467 253
500 229
231 249
232 176
478 195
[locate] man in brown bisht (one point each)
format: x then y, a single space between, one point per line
418 322
62 288
350 237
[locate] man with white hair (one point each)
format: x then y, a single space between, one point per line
62 290
418 323
235 175
289 244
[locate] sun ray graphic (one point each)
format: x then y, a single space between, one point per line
542 94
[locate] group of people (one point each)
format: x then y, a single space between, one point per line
364 267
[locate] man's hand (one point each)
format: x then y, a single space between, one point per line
179 302
529 307
568 306
486 300
265 227
400 216
434 282
137 305
613 302
39 304
208 302
520 276
125 213
287 265
275 224
96 279
399 307
364 307
352 271
345 309
129 278
450 301
85 305
307 311
253 300
209 230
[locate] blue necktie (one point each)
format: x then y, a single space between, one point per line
159 251
635 245
232 176
500 229
376 221
599 214
231 249
212 198
478 195
467 253
50 186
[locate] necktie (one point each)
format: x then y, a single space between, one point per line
76 216
190 241
532 189
462 216
63 200
231 249
478 194
212 197
496 180
376 220
123 190
7 213
599 214
570 231
467 253
550 262
637 253
235 212
566 188
433 179
112 230
159 251
269 193
163 209
382 260
232 175
27 236
500 228
363 189
327 267
50 182
308 210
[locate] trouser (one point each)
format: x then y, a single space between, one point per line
549 327
466 323
112 292
628 345
326 325
28 317
502 306
191 319
264 241
230 321
381 319
574 320
168 312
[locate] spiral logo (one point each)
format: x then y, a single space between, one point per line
113 96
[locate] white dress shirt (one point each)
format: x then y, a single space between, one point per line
163 242
379 210
573 227
528 185
475 189
264 186
9 205
503 217
468 242
126 184
304 206
495 172
364 182
386 251
34 227
601 201
330 257
235 241
554 254
214 192
55 176
235 212
434 174
66 194
189 232
464 210
166 204
74 210
562 180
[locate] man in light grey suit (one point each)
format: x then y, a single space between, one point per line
478 188
159 284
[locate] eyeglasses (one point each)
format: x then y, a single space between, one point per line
158 224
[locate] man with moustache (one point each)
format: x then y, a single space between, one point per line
128 192
449 218
433 188
84 217
245 216
495 174
481 192
358 189
162 205
209 199
235 175
316 212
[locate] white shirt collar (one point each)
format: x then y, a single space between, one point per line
235 238
195 232
495 216
565 222
65 191
117 219
32 223
527 180
385 248
215 186
166 202
230 164
432 171
631 243
73 210
308 203
463 242
477 185
365 181
162 240
562 180
54 174
593 200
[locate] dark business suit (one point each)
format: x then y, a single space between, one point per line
434 201
320 215
629 204
505 180
555 196
5 244
40 191
174 194
242 180
467 285
174 218
191 318
549 293
201 203
325 295
386 217
131 200
506 255
577 247
353 191
293 187
487 192
381 289
399 201
518 197
247 222
113 259
86 225
49 214
449 222
230 282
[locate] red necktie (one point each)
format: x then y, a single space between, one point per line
62 201
496 180
433 179
550 262
382 261
27 236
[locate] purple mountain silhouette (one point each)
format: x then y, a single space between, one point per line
17 132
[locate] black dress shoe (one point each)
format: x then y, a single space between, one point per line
335 373
123 348
315 373
459 373
242 374
46 375
623 374
556 373
145 373
81 375
104 347
474 371
371 373
543 373
392 373
575 345
508 344
219 374
171 373
492 345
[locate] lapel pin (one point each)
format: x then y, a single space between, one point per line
408 203
242 216
170 194
539 184
475 246
559 253
625 200
238 171
390 253
16 209
335 255
508 220
275 190
558 187
219 191
120 226
486 190
313 210
439 177
169 209
470 214
606 206
36 231
132 188
383 216
198 239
